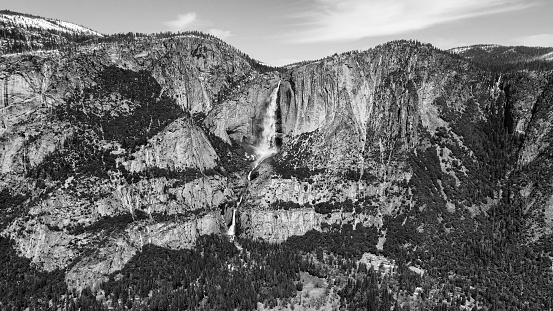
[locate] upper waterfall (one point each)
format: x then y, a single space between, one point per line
266 145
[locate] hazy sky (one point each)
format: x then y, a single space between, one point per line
283 31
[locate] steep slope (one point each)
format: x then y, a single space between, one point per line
359 128
20 32
531 180
405 126
91 145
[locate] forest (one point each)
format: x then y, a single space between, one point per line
222 275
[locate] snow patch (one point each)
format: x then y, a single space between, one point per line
46 24
547 57
462 49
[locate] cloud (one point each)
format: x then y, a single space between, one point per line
544 39
220 33
346 20
182 21
190 21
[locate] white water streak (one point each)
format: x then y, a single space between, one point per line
232 229
267 146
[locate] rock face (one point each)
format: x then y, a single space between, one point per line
49 135
377 127
279 225
533 171
538 129
384 83
115 146
351 122
112 256
240 116
180 146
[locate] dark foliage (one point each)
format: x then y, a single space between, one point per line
344 241
502 59
293 163
462 254
285 205
366 291
357 175
329 207
9 203
180 177
109 224
231 156
79 155
150 113
22 285
215 276
426 173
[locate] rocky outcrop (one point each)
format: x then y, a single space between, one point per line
88 222
239 117
197 72
180 146
539 128
55 249
534 171
279 225
160 195
326 93
26 96
26 145
176 234
93 269
111 257
46 248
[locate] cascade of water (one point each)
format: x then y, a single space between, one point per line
232 229
266 146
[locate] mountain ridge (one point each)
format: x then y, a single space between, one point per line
113 153
20 32
67 25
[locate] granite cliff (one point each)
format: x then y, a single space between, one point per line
150 140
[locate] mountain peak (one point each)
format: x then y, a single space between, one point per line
21 32
33 21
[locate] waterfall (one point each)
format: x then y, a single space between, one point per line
266 146
232 229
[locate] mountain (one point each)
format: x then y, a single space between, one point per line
173 171
502 58
20 32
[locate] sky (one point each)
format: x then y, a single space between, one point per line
279 32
